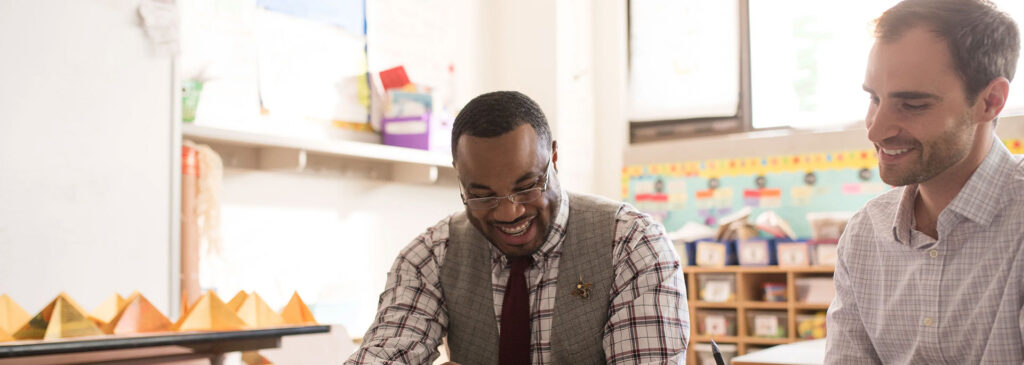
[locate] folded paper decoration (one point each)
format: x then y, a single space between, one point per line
138 315
296 312
107 311
237 301
12 316
257 314
62 318
209 314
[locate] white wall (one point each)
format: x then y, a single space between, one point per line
85 154
611 130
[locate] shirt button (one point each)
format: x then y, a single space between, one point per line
928 321
933 253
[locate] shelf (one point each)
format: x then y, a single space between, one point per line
765 305
749 286
332 147
814 306
766 341
718 339
703 304
759 269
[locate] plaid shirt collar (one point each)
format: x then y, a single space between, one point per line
979 200
552 243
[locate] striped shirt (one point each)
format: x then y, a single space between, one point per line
648 317
903 297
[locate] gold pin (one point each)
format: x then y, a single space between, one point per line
582 289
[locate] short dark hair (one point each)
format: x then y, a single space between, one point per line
496 113
983 42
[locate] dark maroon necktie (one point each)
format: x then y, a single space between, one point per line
514 344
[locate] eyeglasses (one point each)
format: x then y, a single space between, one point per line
519 197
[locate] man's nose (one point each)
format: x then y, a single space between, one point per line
507 211
881 124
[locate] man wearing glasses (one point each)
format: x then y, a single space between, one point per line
529 273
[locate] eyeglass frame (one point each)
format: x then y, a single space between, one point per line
510 197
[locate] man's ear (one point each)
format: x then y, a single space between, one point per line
554 154
992 99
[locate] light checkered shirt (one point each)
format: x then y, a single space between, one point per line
648 320
905 298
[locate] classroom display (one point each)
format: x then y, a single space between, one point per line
792 186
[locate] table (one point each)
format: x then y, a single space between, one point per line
149 348
810 352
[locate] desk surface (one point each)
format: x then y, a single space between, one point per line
810 352
152 344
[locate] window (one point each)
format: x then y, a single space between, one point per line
800 64
807 61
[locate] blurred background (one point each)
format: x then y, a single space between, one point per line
280 146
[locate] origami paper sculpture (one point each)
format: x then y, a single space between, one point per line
257 314
62 318
296 312
209 314
138 315
107 310
236 302
12 316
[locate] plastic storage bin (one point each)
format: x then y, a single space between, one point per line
716 322
773 292
706 357
717 288
768 324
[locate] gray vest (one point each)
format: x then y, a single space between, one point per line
577 324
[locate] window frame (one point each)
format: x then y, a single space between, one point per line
672 129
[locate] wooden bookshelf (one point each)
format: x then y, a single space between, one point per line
748 296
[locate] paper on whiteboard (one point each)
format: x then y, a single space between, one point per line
422 36
347 14
160 19
219 48
309 69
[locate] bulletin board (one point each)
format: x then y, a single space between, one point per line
790 185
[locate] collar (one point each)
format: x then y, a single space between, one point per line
979 200
553 241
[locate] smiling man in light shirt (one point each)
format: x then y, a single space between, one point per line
932 272
529 273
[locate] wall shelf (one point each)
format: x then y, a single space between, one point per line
748 282
277 152
339 148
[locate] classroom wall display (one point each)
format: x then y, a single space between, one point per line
790 185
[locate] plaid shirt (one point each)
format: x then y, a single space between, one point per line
648 316
905 298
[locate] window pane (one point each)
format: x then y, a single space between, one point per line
684 59
808 59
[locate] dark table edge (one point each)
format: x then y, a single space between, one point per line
171 339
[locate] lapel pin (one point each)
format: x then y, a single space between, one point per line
582 289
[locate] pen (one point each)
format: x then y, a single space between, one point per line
716 353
